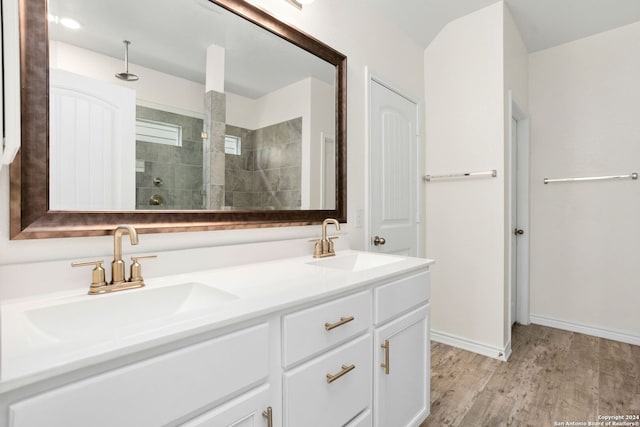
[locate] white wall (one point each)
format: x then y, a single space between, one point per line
516 80
154 89
378 45
465 220
585 251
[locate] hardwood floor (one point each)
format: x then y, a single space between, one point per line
552 377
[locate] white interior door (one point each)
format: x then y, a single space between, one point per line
394 176
92 144
519 205
514 219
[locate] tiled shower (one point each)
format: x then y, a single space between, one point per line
266 174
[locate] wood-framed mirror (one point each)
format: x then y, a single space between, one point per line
36 213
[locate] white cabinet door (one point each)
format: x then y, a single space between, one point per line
244 411
401 391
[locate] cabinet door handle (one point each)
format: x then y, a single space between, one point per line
268 414
345 370
343 320
385 364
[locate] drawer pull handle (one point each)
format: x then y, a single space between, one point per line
343 320
385 364
345 370
268 414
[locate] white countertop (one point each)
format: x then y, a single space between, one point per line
30 353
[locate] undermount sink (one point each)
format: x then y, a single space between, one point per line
356 262
126 313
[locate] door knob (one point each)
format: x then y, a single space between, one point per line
518 231
379 241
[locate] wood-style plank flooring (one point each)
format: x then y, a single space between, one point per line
553 376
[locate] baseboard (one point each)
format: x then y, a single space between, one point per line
473 346
587 330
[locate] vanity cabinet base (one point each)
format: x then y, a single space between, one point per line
314 364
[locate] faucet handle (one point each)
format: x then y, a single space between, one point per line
97 274
136 268
317 247
331 248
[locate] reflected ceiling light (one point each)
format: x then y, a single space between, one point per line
299 3
70 23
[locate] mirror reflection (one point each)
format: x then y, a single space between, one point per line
184 105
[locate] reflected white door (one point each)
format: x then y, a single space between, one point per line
394 176
328 172
92 144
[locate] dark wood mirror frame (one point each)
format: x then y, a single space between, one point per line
29 190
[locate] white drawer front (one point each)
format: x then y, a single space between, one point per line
365 419
401 295
310 401
155 391
243 411
305 332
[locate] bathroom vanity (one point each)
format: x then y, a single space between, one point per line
294 342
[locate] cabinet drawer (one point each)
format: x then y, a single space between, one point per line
310 400
401 295
244 411
156 391
363 420
305 332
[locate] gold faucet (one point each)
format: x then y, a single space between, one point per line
117 266
324 247
118 282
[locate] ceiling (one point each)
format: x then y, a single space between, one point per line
173 36
542 23
180 49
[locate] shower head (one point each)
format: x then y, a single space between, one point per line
129 77
126 75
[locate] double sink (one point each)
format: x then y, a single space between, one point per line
130 311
